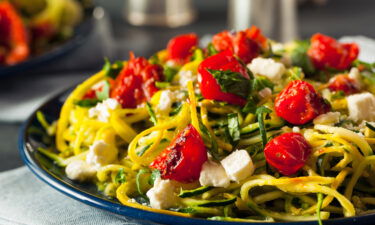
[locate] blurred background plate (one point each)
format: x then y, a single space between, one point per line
81 33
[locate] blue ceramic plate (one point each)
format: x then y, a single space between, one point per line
31 137
81 33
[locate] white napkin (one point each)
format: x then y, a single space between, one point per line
26 200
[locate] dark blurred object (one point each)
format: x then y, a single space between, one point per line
276 18
169 13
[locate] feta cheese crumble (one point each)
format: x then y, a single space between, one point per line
238 165
356 76
267 67
213 174
361 106
79 170
102 110
265 93
186 76
329 118
101 153
162 195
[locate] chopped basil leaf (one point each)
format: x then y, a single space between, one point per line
211 49
87 103
103 93
250 107
234 127
138 181
120 177
261 82
160 85
169 73
300 58
232 82
154 175
143 149
259 112
151 113
338 95
112 70
213 150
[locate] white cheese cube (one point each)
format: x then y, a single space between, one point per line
101 153
165 102
296 129
329 118
162 195
213 174
265 93
238 165
361 106
267 67
102 110
79 170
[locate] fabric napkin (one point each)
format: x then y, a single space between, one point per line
26 200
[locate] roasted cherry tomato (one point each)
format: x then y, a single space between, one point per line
182 160
298 103
136 82
245 44
343 83
14 37
209 87
325 52
180 48
287 153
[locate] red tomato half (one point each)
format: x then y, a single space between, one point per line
343 83
13 35
182 160
245 44
298 103
209 87
287 153
136 82
326 52
180 48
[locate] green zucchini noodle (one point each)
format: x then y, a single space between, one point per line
103 143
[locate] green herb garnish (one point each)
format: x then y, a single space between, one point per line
120 177
234 127
232 82
151 113
87 103
259 112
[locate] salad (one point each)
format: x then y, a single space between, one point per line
244 129
32 27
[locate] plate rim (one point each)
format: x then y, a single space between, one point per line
127 211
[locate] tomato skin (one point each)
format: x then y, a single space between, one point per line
182 160
246 44
136 82
287 153
13 34
208 85
180 47
298 103
326 52
343 83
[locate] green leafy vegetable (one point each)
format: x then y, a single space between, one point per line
261 82
87 103
234 127
151 113
211 49
250 106
213 150
143 149
120 177
300 58
103 93
259 112
232 82
155 174
112 70
169 73
138 181
295 73
160 85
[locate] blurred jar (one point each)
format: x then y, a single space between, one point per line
169 13
276 18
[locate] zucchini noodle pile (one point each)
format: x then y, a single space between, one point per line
336 181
